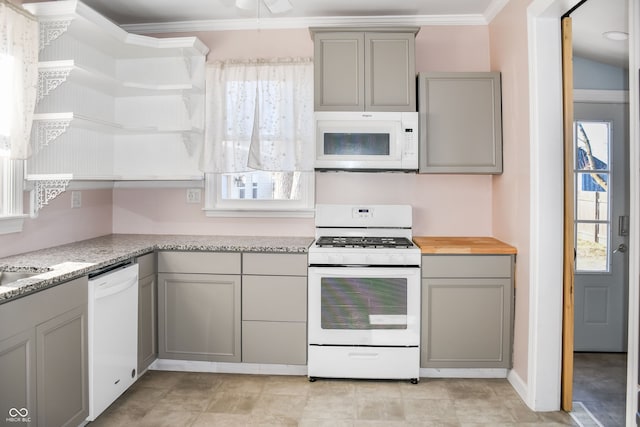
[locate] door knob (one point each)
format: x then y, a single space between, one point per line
621 248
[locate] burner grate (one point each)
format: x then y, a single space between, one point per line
363 242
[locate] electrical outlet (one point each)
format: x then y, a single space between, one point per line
76 199
194 195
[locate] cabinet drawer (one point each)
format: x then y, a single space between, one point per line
274 342
466 266
277 264
199 262
274 298
146 265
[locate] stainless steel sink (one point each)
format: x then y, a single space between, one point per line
7 277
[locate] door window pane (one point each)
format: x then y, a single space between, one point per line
591 198
592 246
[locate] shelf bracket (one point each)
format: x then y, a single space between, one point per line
190 144
49 80
49 130
51 30
188 65
46 190
188 105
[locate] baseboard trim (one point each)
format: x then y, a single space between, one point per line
275 369
228 368
463 373
519 386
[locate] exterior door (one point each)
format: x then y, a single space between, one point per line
601 176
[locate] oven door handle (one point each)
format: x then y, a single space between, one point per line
363 356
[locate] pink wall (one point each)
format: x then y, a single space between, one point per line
441 202
511 193
58 224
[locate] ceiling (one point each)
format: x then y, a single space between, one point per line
590 20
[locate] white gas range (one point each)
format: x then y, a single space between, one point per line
364 294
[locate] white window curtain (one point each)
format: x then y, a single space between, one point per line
18 78
259 116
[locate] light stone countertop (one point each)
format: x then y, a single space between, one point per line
62 263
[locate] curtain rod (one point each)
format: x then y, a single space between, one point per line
19 9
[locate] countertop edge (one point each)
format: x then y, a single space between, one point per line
52 276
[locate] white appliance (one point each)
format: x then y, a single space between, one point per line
113 335
364 294
366 141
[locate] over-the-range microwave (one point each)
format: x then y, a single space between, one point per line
366 141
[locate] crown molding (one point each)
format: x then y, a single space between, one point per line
494 8
289 23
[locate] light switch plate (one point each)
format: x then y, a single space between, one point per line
76 199
194 195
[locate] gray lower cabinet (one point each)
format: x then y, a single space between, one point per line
62 371
147 312
274 308
467 311
199 306
460 122
358 70
18 374
43 356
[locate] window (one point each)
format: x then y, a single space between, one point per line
258 151
592 196
11 171
18 83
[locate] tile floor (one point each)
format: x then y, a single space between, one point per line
600 384
161 398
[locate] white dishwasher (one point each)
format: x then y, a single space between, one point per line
113 334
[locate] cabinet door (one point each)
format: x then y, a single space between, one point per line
339 71
466 323
18 378
389 72
62 380
199 317
147 322
460 123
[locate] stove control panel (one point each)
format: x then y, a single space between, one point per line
362 212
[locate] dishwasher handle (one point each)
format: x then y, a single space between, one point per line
105 288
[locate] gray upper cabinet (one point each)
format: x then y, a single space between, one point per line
364 69
460 122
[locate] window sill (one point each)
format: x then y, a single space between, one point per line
11 224
260 213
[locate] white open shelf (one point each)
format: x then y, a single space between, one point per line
114 105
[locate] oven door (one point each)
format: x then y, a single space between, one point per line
368 306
